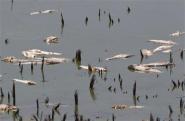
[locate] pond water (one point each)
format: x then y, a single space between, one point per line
97 40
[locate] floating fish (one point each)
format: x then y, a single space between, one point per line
158 64
120 56
143 69
28 82
51 39
94 68
50 61
177 34
163 42
146 53
35 13
167 51
123 106
12 59
9 59
162 48
7 107
42 12
48 11
39 53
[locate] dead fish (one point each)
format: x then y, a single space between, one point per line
42 12
94 68
9 59
177 34
167 51
143 69
123 106
120 56
7 107
146 53
14 60
51 39
35 13
162 48
50 61
163 42
28 82
48 11
158 64
120 106
39 53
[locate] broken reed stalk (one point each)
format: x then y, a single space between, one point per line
151 117
81 118
91 86
56 107
53 115
76 106
2 94
171 57
182 54
76 98
32 68
8 98
181 106
134 89
174 84
76 117
170 110
37 103
89 69
113 117
157 119
64 117
120 82
35 118
62 19
42 66
78 56
21 68
13 93
86 20
99 13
